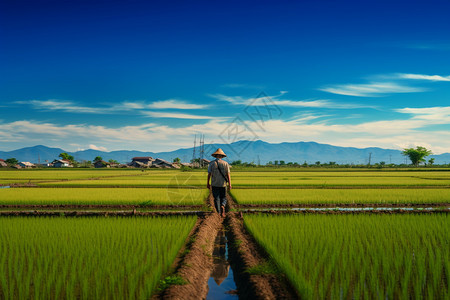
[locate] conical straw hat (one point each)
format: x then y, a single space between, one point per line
219 152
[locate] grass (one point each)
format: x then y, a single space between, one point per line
359 256
102 196
88 258
341 196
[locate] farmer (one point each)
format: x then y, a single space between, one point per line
219 173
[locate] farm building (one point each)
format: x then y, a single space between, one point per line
141 162
102 164
26 164
3 163
138 164
149 162
144 159
61 163
161 163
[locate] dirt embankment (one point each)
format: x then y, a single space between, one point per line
332 205
246 254
132 213
342 212
196 266
99 206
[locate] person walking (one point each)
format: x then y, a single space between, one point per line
219 174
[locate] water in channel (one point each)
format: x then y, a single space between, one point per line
221 283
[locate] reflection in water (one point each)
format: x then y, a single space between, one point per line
221 265
221 283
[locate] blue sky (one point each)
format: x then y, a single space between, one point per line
148 75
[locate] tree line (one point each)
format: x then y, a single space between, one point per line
416 156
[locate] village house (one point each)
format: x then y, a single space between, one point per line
101 164
149 162
161 163
3 163
61 163
141 162
143 159
26 165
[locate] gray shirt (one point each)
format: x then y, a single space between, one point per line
217 179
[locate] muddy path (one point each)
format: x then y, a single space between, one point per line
247 255
196 266
244 254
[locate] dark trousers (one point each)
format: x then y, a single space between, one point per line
220 197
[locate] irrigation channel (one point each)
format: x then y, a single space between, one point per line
221 283
219 252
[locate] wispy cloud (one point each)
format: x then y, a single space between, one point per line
424 77
372 89
427 46
273 100
434 115
62 105
126 106
176 115
177 104
154 137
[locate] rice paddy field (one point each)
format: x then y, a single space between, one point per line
87 258
359 256
341 196
103 196
274 179
12 176
323 256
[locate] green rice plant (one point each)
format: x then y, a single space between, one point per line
63 174
341 178
87 258
359 256
136 177
341 196
150 178
102 196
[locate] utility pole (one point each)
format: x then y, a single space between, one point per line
193 152
370 157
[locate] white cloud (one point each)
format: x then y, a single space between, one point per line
126 106
154 137
67 106
175 104
99 148
433 115
424 77
372 89
272 100
176 115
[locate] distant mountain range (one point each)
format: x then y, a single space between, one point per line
246 151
